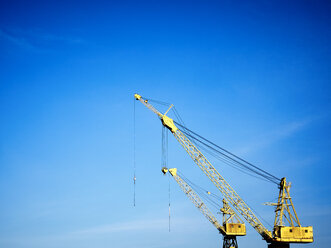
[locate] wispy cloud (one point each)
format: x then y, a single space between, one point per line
17 40
36 39
111 231
276 135
135 225
318 211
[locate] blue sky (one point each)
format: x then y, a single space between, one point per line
252 77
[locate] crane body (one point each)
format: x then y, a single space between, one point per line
232 225
282 235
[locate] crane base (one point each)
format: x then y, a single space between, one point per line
230 242
279 245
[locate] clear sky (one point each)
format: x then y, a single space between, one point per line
252 77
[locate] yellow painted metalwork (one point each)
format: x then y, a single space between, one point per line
235 229
227 191
294 234
285 204
169 123
228 228
196 200
231 221
168 109
166 121
173 172
164 170
137 96
286 214
149 106
281 235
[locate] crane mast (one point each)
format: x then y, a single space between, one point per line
281 235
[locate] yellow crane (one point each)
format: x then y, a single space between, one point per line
232 225
282 235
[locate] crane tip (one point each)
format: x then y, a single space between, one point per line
137 96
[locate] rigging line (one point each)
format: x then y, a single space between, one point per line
265 222
156 101
234 162
206 197
216 156
236 166
181 120
256 171
239 163
218 206
274 199
193 185
178 116
228 152
134 152
187 181
201 191
226 156
228 162
212 203
217 197
231 159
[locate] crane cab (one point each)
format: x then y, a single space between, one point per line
294 234
237 229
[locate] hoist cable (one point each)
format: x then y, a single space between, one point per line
134 152
162 147
164 164
166 147
164 155
169 198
